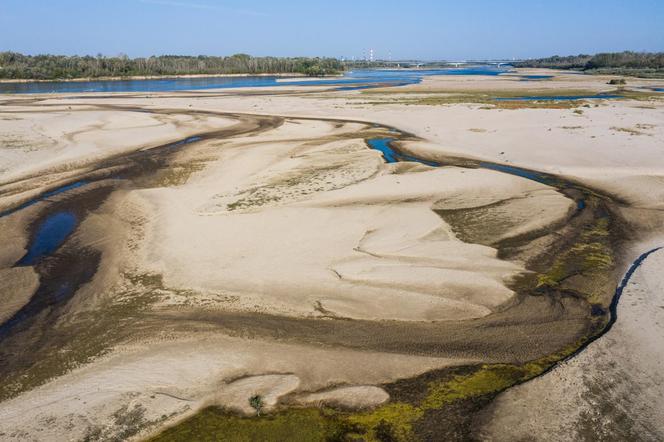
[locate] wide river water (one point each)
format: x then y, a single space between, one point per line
351 79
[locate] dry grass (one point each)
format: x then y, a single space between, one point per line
628 130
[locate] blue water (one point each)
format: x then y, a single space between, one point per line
50 235
43 196
183 142
558 97
628 275
523 173
391 156
382 144
358 78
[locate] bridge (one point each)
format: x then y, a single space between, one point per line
440 63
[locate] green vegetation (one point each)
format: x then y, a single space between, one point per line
591 255
557 62
256 402
494 99
395 421
180 172
630 130
641 64
213 424
49 67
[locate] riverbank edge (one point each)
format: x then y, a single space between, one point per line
162 77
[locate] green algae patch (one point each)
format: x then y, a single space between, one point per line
395 419
298 424
496 99
179 174
591 256
488 379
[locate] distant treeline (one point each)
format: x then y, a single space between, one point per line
49 67
622 62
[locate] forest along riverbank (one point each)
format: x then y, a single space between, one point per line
357 79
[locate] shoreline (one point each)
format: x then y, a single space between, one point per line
160 77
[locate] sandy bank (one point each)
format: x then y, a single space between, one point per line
614 390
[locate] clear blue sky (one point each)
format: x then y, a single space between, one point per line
424 29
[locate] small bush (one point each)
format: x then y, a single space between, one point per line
385 432
256 403
617 81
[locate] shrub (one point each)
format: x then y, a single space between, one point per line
256 402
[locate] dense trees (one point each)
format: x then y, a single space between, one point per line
605 62
635 60
557 62
18 66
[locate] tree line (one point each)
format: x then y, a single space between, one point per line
613 60
14 65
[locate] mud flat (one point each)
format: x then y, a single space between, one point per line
265 250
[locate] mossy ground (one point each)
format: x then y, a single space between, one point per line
497 99
400 420
591 256
214 424
488 101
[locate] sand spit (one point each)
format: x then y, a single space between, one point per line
278 256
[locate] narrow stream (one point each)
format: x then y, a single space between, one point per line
392 156
43 196
50 235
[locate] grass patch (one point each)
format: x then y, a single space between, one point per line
488 100
214 424
179 174
495 99
628 130
487 93
395 421
590 256
636 95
